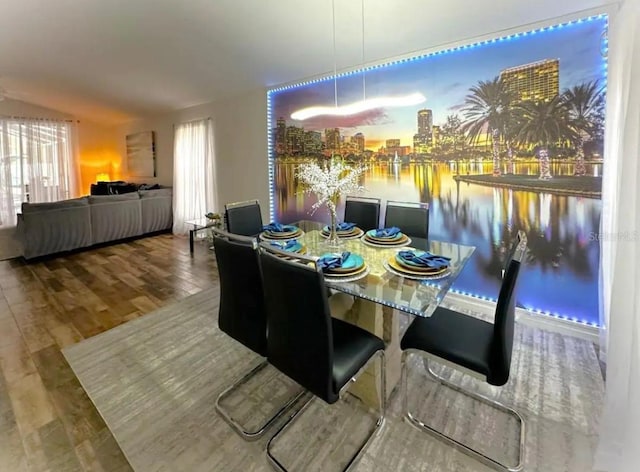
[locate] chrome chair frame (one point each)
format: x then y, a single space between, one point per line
297 259
518 254
240 429
379 423
486 460
249 435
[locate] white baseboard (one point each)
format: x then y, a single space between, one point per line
549 323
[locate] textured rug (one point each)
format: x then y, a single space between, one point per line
155 381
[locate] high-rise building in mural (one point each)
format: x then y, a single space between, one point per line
280 137
425 121
332 139
537 81
295 140
422 140
358 139
312 142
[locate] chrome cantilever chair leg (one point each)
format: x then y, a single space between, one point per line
383 406
488 461
240 429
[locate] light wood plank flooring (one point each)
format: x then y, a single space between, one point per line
47 422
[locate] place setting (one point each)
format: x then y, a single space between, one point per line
280 232
342 267
418 265
292 245
343 230
386 237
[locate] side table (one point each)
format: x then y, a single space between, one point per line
198 225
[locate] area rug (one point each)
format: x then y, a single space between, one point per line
155 380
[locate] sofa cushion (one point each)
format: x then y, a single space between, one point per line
160 192
54 227
93 199
48 206
115 217
157 209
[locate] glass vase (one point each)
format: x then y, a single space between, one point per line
333 241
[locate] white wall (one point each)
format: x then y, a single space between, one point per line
240 134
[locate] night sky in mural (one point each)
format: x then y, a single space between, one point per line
430 153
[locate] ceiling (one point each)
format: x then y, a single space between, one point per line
117 60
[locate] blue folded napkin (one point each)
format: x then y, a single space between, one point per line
275 228
345 226
425 260
387 232
285 246
333 261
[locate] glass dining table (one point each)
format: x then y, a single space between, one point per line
380 295
415 297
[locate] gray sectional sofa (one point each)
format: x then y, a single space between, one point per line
50 228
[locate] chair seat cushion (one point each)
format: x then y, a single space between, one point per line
352 348
452 336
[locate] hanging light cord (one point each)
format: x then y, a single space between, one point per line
364 83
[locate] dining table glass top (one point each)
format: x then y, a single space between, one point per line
417 297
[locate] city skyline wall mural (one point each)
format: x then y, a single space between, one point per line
509 137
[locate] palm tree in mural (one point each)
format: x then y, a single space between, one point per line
487 109
583 102
541 124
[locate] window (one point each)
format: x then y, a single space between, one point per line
37 164
194 179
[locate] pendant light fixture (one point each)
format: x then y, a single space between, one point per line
359 106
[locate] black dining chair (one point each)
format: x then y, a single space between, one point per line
411 217
242 315
321 353
363 211
243 218
473 346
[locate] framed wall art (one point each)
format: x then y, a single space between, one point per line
141 154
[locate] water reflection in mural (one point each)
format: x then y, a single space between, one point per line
563 256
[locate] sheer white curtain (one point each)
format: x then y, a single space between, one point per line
194 178
619 442
37 163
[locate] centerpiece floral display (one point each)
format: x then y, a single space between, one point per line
329 182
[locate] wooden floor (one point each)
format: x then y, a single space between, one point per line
47 423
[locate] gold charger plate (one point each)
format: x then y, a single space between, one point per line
385 240
401 240
352 270
406 266
351 234
357 271
393 263
280 236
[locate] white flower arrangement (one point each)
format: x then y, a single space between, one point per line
330 181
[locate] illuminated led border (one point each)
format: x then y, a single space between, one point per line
530 309
275 90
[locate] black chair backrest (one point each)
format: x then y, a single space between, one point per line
242 313
504 323
364 212
300 336
411 218
244 218
514 247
